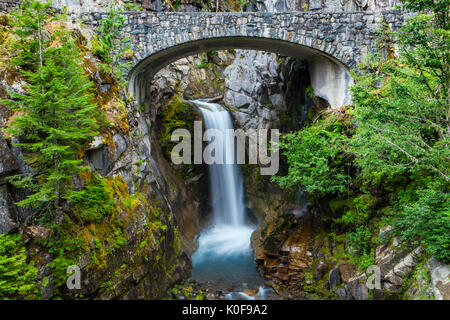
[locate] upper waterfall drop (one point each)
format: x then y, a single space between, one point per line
227 191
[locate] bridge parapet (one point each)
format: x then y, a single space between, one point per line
347 36
331 42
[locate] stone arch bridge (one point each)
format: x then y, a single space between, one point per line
330 42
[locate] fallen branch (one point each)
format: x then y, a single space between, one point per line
215 99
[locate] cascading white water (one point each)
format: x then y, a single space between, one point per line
224 252
226 182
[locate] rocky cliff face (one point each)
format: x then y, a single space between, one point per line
147 244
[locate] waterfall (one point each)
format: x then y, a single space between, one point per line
227 192
224 251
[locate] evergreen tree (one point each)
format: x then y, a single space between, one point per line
56 116
28 27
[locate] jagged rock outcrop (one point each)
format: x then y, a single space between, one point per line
254 89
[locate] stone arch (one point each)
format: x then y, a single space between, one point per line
330 78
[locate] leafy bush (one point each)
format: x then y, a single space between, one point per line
359 240
17 277
424 218
359 213
317 158
364 260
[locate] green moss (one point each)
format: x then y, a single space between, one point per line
186 291
7 40
176 115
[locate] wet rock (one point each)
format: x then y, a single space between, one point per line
440 282
99 158
251 292
334 278
8 163
342 293
7 219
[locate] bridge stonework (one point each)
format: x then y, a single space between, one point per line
327 40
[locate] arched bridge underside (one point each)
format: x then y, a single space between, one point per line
331 43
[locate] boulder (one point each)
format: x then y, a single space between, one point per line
99 158
320 270
394 277
37 232
96 143
347 271
419 290
393 282
389 255
357 289
407 264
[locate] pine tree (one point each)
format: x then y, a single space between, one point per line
56 117
28 27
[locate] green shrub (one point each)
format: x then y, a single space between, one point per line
93 202
317 158
359 240
359 213
364 261
424 217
